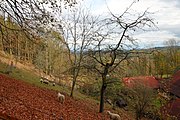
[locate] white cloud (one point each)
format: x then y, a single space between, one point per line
166 13
154 38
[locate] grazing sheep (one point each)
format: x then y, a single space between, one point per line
113 116
41 80
53 84
44 81
61 97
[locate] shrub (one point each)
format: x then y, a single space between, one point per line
140 99
91 89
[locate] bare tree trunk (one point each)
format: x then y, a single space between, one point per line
46 60
1 44
73 86
103 88
75 75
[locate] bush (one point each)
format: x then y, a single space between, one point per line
91 89
140 99
113 89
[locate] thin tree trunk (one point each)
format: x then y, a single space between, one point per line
46 61
73 86
2 46
75 74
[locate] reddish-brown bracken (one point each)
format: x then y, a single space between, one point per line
23 101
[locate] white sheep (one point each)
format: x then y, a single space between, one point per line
113 116
44 81
53 84
41 80
61 97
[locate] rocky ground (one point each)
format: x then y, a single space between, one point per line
23 101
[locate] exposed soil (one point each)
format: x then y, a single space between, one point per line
23 101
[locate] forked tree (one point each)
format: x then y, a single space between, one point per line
113 42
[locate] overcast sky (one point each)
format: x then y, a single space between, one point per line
167 15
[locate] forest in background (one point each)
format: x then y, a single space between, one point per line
50 55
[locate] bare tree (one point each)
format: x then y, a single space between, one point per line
166 60
77 27
31 15
172 54
110 40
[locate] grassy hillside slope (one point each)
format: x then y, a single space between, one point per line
23 101
23 96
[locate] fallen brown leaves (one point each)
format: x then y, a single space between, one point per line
23 101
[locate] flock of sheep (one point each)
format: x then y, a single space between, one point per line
61 99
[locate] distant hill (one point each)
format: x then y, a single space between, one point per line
164 48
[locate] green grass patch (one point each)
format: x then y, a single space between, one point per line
33 79
29 77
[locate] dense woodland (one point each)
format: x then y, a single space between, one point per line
79 50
